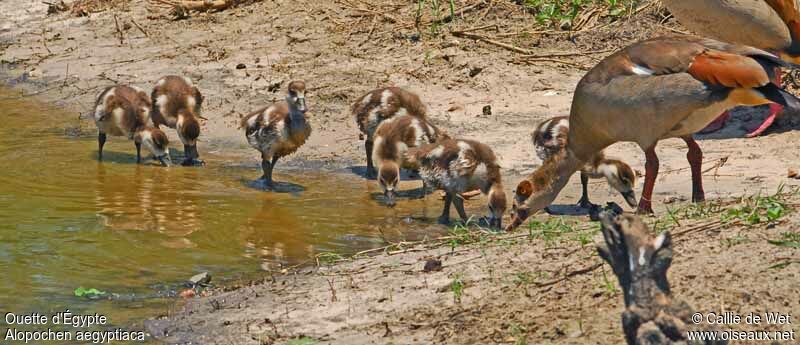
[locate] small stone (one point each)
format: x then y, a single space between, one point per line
793 173
241 66
200 279
188 293
432 265
487 110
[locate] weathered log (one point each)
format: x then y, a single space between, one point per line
640 262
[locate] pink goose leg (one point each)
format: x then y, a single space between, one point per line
774 111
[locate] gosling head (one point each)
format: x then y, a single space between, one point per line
388 178
621 177
156 142
497 206
297 96
550 136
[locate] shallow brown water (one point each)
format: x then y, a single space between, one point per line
139 231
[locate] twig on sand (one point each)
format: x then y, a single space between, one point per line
482 38
570 275
140 28
333 290
119 31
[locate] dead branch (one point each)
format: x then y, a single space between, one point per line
119 30
482 38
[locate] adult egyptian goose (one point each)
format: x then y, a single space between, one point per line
177 105
125 111
458 166
380 104
393 137
772 25
551 136
667 87
279 129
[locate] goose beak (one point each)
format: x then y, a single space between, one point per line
301 104
519 217
389 198
630 198
496 223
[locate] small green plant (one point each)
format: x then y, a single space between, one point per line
562 13
92 292
734 240
609 285
329 258
527 277
518 334
758 209
436 13
457 286
303 340
788 239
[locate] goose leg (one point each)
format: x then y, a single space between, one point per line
584 202
370 168
138 152
267 163
458 202
101 141
695 158
651 171
775 110
445 217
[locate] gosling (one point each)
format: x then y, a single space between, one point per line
381 104
550 137
177 105
125 111
458 166
279 129
393 138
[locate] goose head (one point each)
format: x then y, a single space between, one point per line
497 206
296 96
388 178
155 141
621 177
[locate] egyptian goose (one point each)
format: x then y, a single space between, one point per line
772 25
551 136
125 111
393 137
667 87
177 105
380 104
279 129
458 166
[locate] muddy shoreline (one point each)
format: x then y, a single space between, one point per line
514 287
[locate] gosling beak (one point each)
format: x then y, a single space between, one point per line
165 160
301 104
389 198
520 216
496 222
630 198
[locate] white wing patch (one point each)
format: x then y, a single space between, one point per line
641 70
436 152
385 97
